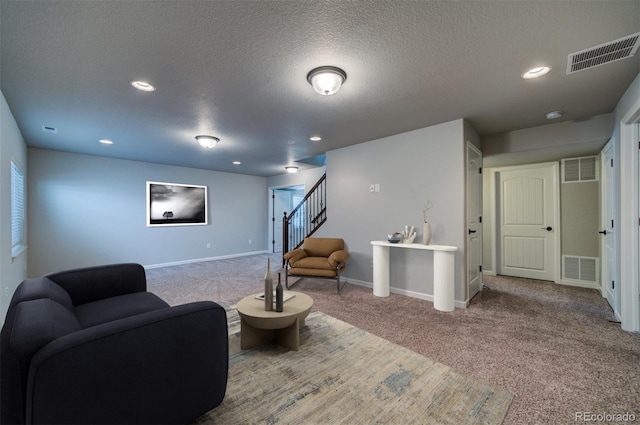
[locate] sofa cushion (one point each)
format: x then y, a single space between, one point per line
322 247
120 307
38 288
38 322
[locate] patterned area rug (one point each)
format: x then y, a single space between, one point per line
344 375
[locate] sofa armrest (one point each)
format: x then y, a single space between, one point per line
165 366
295 255
96 283
338 258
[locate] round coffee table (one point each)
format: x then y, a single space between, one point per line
258 326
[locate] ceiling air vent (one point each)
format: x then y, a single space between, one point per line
603 54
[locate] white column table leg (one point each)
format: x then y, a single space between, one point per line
380 271
443 280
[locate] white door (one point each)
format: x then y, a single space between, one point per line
607 244
529 220
474 220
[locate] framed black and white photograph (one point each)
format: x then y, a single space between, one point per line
175 204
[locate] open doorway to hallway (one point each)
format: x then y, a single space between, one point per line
284 200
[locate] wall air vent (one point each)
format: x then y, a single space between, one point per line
603 54
583 269
576 170
49 129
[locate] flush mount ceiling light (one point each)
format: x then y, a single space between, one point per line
315 138
536 72
236 162
106 141
207 141
326 80
142 85
291 169
553 115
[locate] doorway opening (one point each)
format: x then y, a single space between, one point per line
284 200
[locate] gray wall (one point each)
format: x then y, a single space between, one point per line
12 147
411 168
87 210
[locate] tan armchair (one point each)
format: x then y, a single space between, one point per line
318 257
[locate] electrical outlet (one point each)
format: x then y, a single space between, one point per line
208 245
372 188
377 187
249 241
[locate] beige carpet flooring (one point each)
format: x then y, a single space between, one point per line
554 347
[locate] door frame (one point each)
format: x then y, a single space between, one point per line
629 214
496 248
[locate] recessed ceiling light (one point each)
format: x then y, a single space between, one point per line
207 141
237 162
142 85
315 138
106 141
553 115
291 169
536 72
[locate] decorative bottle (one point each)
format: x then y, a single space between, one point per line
279 296
268 288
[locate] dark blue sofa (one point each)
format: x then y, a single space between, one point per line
92 346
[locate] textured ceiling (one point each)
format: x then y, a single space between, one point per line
237 70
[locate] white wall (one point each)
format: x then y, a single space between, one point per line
12 148
411 168
87 210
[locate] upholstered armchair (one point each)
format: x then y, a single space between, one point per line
318 257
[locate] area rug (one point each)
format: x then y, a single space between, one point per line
344 375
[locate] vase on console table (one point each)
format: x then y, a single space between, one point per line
426 233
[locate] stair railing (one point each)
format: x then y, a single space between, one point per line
306 217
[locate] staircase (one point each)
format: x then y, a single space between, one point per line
306 217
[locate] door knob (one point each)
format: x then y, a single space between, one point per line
548 228
604 232
472 231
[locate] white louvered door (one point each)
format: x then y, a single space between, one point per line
529 221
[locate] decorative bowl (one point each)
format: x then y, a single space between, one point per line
394 238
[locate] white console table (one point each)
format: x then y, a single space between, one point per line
443 271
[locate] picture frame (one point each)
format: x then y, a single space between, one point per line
176 204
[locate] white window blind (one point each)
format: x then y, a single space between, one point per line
17 210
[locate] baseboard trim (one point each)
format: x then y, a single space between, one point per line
201 260
405 292
580 284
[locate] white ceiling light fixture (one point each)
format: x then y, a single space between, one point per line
207 142
106 141
315 138
326 80
553 115
536 72
236 163
291 169
142 85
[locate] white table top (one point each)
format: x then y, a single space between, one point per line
416 246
